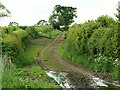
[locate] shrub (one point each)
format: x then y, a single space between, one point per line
32 31
92 39
44 28
23 35
11 45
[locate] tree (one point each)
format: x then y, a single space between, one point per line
118 40
4 12
42 22
13 24
62 17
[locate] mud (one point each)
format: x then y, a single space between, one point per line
79 80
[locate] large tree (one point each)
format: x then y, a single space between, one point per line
4 12
62 17
118 40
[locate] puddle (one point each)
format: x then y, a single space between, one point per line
97 82
60 78
63 81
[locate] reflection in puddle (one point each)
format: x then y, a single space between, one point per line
96 82
60 78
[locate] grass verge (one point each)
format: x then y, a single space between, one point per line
29 75
86 61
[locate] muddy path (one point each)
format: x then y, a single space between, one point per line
73 67
77 74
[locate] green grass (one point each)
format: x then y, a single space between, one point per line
78 59
29 75
30 55
51 62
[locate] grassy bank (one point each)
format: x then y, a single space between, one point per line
29 75
85 61
68 56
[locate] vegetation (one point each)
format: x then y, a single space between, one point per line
42 22
93 44
4 11
13 24
95 41
118 39
62 17
29 77
20 54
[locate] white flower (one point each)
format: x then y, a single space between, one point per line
116 60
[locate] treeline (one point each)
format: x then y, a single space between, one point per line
96 40
16 38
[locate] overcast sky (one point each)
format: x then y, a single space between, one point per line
29 12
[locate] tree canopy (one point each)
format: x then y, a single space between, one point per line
62 17
41 22
13 24
4 12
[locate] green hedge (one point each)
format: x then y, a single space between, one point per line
95 39
23 35
11 46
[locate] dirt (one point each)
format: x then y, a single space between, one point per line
77 74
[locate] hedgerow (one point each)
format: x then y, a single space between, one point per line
97 40
11 46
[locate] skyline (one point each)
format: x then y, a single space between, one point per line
29 12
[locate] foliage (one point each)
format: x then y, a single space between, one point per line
11 46
29 77
8 29
22 34
91 38
13 43
4 11
13 24
30 54
118 40
95 39
41 22
44 28
46 31
62 17
32 31
23 27
105 21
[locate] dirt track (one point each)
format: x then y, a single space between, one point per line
78 75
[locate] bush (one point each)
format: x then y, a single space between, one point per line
23 35
8 29
20 33
32 31
44 28
94 38
11 45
